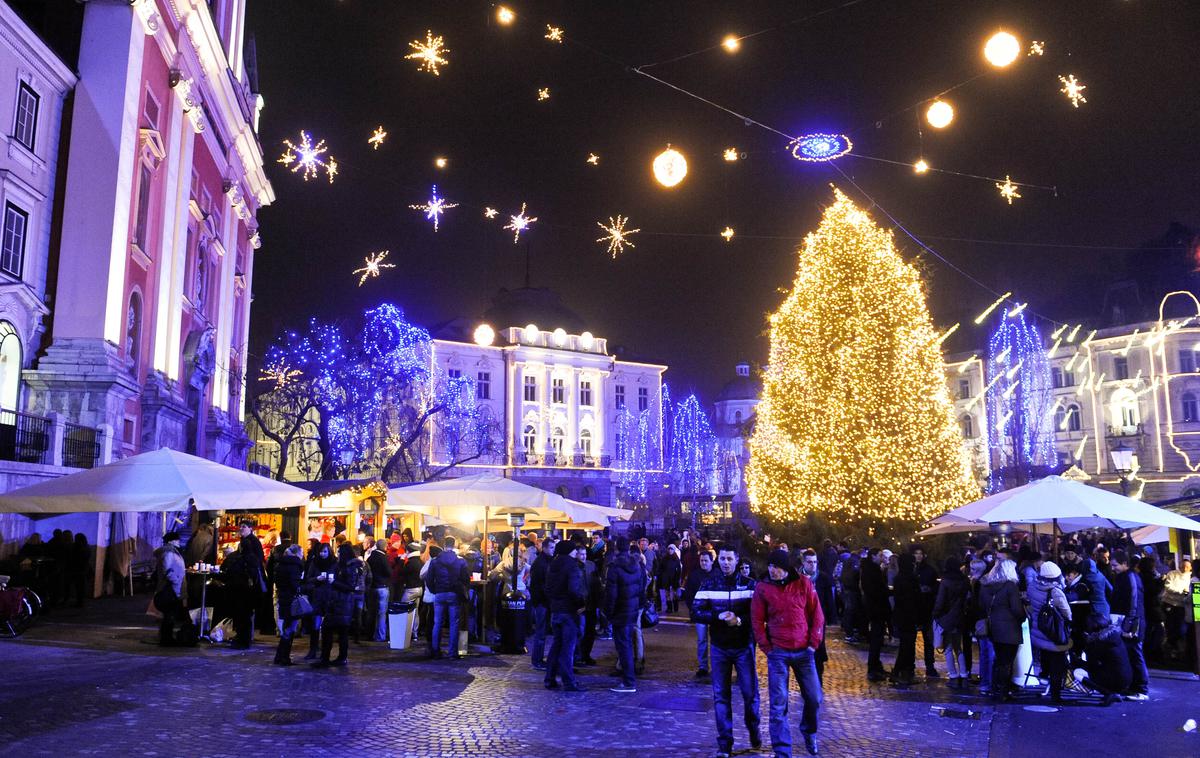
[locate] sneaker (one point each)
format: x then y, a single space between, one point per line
622 689
1137 697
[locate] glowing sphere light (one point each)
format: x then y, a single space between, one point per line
485 335
920 166
531 332
819 147
505 15
940 114
670 167
1001 49
731 44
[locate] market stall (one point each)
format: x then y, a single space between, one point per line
349 507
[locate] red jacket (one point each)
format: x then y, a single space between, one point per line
787 615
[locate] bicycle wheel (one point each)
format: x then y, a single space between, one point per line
18 622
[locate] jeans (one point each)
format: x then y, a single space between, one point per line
565 627
956 664
1137 663
639 643
541 624
800 663
702 647
444 602
1002 673
590 615
724 662
987 659
377 598
623 641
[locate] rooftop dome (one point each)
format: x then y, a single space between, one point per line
741 387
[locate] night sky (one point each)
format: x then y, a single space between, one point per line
1126 163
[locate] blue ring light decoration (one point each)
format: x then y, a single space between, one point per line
819 148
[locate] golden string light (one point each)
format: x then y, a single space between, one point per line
490 212
543 93
505 15
1008 190
731 43
730 154
372 265
948 332
1073 89
1001 49
376 138
939 114
1037 47
441 162
1058 332
617 236
308 157
428 54
1074 332
988 310
921 166
279 373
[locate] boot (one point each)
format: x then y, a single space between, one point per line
343 651
314 643
326 648
283 653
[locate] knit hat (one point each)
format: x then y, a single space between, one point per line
564 548
170 537
780 559
1050 570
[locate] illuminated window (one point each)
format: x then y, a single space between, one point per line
10 367
558 391
1189 407
556 440
529 438
531 389
585 394
483 385
619 397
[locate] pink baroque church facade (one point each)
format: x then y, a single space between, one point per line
146 324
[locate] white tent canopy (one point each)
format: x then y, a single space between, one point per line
1072 505
475 498
162 480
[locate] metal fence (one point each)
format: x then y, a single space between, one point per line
24 437
81 446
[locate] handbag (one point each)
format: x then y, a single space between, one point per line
982 629
301 606
649 616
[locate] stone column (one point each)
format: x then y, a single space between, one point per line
515 399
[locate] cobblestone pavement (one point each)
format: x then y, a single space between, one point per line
91 685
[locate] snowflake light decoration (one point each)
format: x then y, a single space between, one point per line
617 235
429 55
279 373
730 154
819 147
308 157
727 233
376 138
519 223
490 212
1073 89
593 159
372 265
434 207
1008 190
1037 47
554 34
543 93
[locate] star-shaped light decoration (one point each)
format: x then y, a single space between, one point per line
617 235
554 34
309 157
1008 190
429 55
543 93
279 373
376 138
434 207
372 265
1037 47
519 223
727 233
1073 89
730 154
490 212
593 159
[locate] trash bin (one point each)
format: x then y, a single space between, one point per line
401 616
513 623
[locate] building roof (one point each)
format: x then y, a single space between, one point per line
740 388
532 305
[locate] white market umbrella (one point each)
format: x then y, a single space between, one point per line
1152 535
162 480
469 499
1071 505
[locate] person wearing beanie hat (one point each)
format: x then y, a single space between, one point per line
170 595
789 626
1048 589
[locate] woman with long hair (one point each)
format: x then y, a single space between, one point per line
320 566
1000 598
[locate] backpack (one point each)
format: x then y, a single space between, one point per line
1050 622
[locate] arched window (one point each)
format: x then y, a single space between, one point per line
10 367
1124 407
556 439
589 494
561 490
585 441
1189 407
1060 420
133 328
967 425
1074 418
529 438
737 417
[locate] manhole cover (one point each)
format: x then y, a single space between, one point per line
285 716
676 703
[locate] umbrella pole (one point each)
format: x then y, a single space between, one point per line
1054 538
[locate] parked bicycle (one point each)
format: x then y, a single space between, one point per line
19 606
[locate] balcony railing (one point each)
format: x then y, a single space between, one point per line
24 437
28 438
1128 430
81 446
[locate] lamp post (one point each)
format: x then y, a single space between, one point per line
1122 460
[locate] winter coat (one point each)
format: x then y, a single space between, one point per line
377 564
320 594
171 571
787 614
823 583
950 607
697 577
850 577
200 548
721 593
874 590
448 573
1001 601
1044 591
253 562
625 589
537 579
927 589
1153 605
591 579
408 576
288 571
1129 598
1107 660
566 591
1098 587
906 614
669 571
341 605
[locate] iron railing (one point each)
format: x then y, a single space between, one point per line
24 437
81 446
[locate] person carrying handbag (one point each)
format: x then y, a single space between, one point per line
1005 614
287 574
1048 589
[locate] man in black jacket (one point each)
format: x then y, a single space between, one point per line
695 579
539 617
448 580
1128 601
246 584
927 581
379 574
722 605
875 604
625 591
567 595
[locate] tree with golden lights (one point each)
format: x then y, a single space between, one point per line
856 425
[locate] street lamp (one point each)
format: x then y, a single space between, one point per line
1122 460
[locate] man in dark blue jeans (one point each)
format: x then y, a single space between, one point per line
539 605
624 593
448 580
567 594
722 604
789 626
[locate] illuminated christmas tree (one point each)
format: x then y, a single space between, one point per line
856 424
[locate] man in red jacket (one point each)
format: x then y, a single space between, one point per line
788 624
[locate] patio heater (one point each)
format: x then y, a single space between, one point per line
513 615
1122 460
